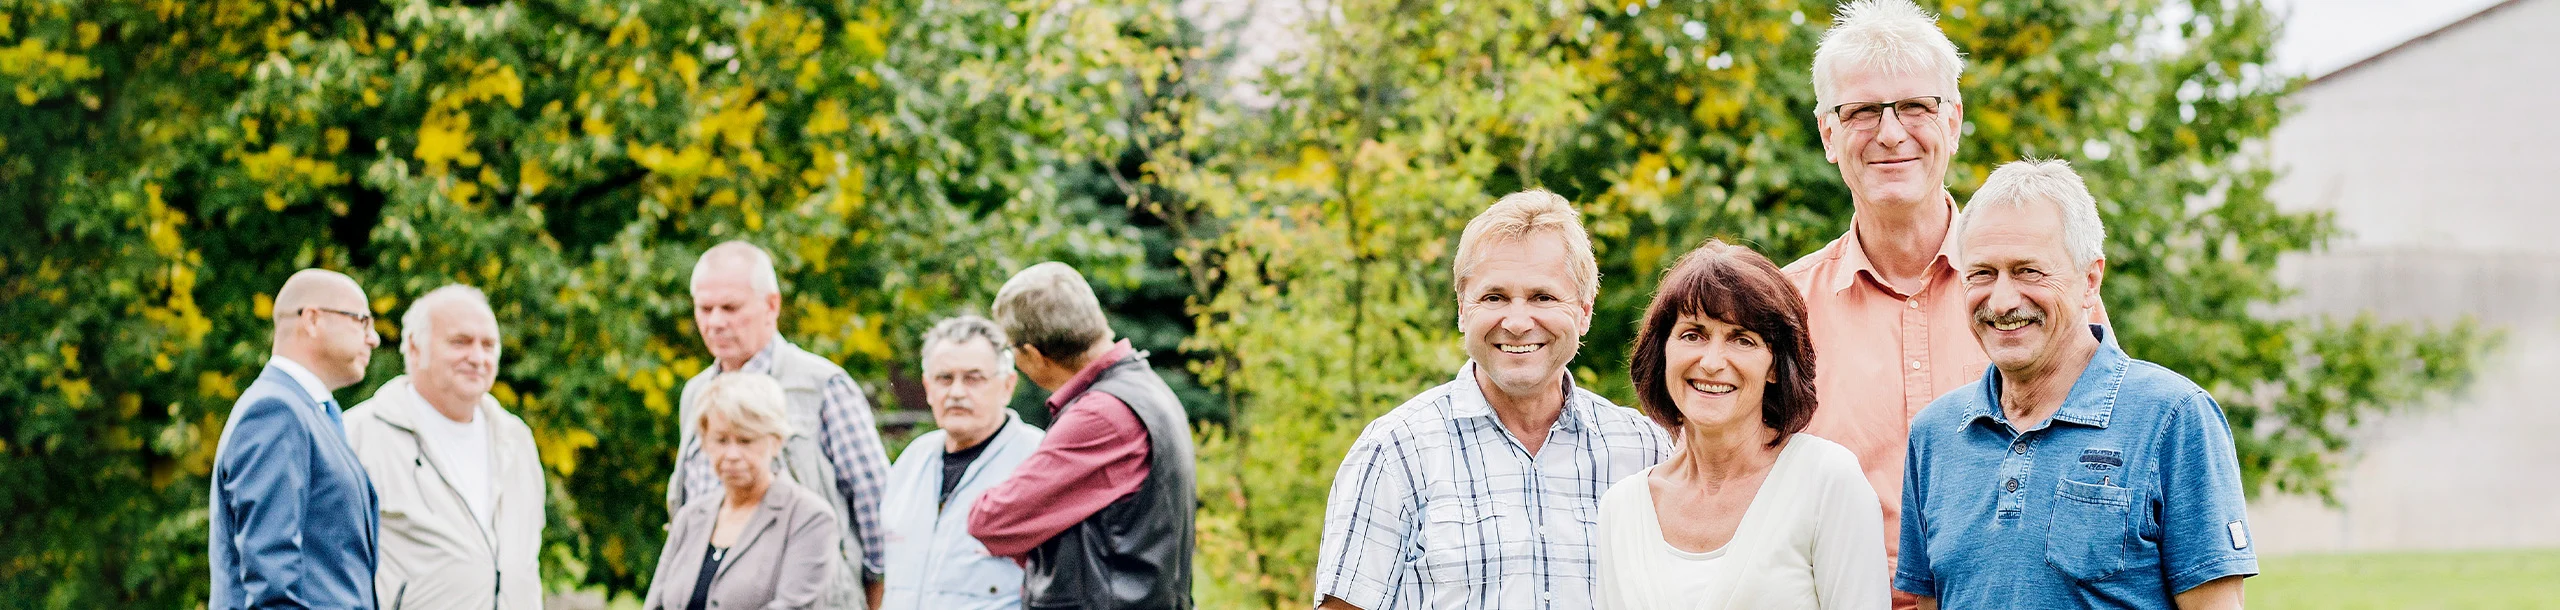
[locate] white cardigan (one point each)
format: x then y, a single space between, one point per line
434 553
1811 539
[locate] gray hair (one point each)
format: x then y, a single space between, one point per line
1050 308
418 325
960 329
1518 215
2017 183
738 252
751 402
1892 36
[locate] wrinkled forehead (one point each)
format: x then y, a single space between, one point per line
1877 84
464 318
964 355
2013 233
723 289
1523 264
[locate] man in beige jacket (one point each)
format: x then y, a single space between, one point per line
460 484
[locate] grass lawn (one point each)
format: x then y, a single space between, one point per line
2502 580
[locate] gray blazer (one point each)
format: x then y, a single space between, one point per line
784 559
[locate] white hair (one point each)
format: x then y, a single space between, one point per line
417 327
1895 37
2019 183
738 252
960 329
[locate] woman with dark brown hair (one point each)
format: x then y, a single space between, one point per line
1747 512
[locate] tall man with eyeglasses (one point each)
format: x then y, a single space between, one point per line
292 521
1887 312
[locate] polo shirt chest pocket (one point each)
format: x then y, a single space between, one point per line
2092 535
1472 540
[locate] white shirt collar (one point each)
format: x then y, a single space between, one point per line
310 383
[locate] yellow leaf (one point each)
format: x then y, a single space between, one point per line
532 178
827 118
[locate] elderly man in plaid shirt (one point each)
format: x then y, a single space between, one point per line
737 305
1483 492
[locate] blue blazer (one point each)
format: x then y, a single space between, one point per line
293 516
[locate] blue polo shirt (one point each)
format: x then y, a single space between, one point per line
2127 496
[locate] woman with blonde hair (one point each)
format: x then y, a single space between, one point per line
766 542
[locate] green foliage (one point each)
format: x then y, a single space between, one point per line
1331 213
167 164
164 164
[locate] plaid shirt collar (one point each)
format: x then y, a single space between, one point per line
1469 400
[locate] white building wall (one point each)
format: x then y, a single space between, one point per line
2441 160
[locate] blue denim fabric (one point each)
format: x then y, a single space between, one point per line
2127 496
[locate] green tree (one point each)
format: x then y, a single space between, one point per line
166 164
1324 221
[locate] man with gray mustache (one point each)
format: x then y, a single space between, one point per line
2070 475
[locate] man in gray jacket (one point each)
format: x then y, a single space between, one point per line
460 483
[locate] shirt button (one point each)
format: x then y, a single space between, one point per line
1915 365
2011 486
2019 448
1914 303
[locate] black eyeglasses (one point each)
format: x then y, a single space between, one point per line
362 318
1913 112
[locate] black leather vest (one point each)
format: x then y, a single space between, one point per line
1136 552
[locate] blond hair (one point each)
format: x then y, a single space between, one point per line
750 402
1519 215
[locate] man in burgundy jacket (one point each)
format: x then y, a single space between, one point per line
1099 515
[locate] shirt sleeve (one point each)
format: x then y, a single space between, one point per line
1095 453
1847 541
1368 524
268 471
2204 521
1911 572
852 443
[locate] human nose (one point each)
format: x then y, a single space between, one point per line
2004 297
1889 129
1513 319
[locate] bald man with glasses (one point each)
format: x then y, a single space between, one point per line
292 516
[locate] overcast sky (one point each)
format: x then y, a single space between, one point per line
2325 35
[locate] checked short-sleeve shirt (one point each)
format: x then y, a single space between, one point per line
1438 506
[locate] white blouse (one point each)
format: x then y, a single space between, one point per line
1812 539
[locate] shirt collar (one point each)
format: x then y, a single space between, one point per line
310 383
1092 372
1470 401
1853 255
762 362
2092 400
